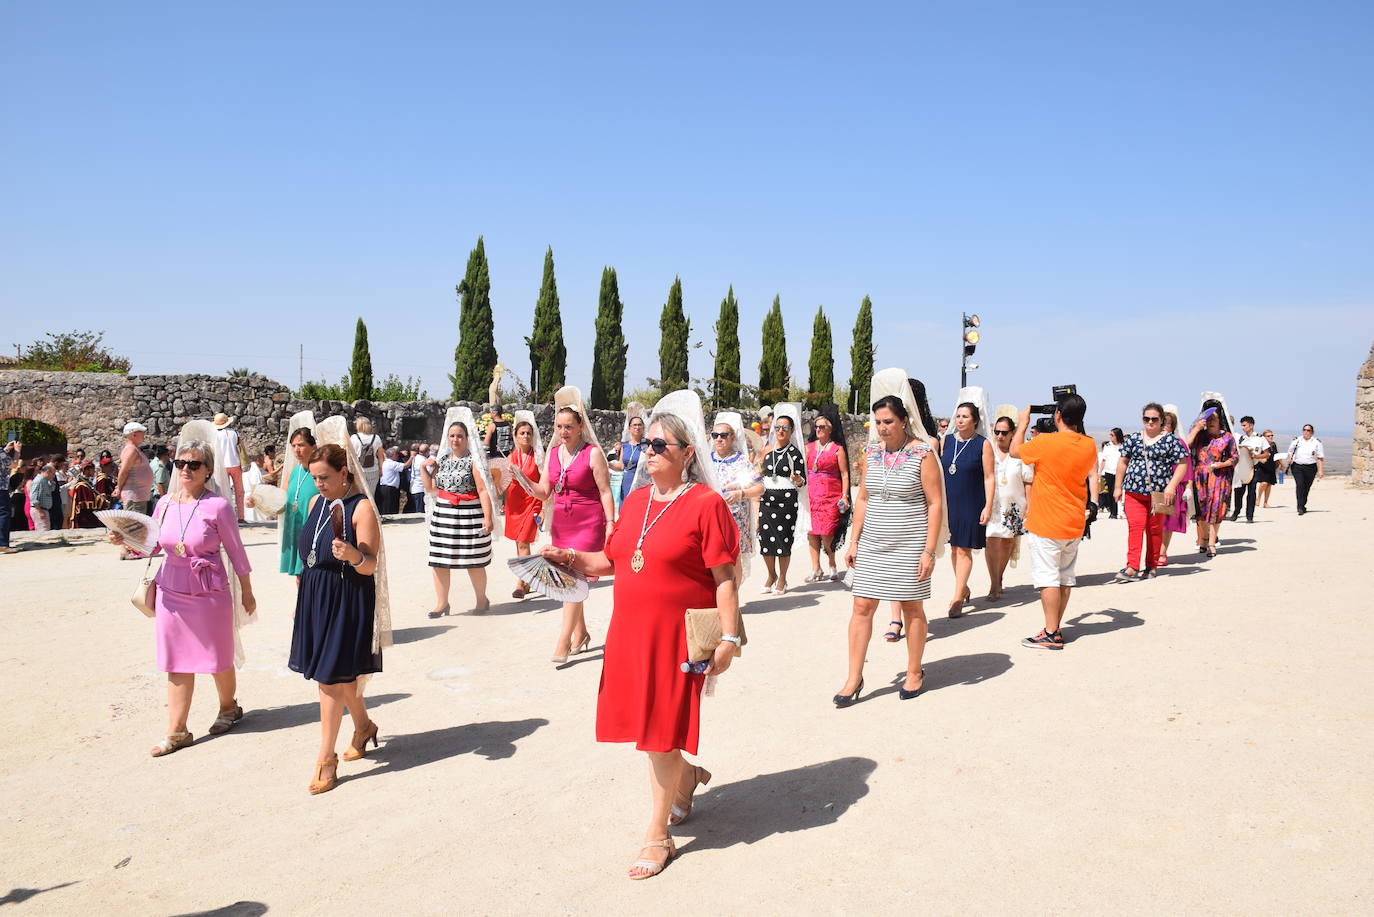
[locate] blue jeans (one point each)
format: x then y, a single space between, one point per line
5 520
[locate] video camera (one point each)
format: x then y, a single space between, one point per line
1045 424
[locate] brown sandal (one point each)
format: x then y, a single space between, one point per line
319 784
226 720
358 747
173 742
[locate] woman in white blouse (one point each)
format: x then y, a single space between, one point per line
1011 498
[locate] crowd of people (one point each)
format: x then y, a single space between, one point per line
693 504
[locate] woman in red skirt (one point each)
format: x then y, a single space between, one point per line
523 508
674 547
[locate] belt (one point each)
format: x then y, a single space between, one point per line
454 499
776 482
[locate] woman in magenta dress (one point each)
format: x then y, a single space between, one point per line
194 624
1214 464
674 548
578 478
827 477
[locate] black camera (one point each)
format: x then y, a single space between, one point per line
1045 424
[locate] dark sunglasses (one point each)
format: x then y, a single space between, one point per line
193 464
715 435
782 426
1148 419
1002 432
660 446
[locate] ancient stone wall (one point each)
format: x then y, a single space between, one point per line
92 408
1362 459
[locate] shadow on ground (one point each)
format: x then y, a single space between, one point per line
747 811
968 669
237 909
20 895
1116 620
267 719
416 634
789 601
493 740
950 627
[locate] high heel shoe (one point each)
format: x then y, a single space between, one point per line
358 747
844 700
904 694
679 814
319 784
439 613
582 647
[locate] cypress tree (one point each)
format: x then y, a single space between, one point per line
672 348
548 354
773 368
608 361
360 373
861 357
725 377
475 357
821 388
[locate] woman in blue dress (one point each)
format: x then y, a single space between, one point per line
629 449
969 469
333 638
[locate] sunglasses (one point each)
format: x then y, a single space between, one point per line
192 464
715 435
782 427
1148 419
1002 432
660 446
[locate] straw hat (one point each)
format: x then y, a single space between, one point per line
222 420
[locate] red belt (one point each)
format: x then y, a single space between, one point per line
454 499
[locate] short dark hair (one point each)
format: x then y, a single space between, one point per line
304 433
1072 409
1248 419
893 404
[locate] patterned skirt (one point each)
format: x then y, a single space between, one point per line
456 539
777 522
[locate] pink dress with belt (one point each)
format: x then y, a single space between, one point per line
824 487
579 522
195 612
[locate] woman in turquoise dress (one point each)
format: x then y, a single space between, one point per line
300 490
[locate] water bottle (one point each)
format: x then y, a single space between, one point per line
696 668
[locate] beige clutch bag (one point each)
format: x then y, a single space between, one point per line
145 593
703 634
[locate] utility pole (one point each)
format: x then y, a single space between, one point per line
301 373
969 336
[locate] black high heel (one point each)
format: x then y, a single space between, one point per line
844 700
904 694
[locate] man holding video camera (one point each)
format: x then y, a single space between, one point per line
1064 461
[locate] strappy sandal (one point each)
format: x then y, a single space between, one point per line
319 784
173 742
894 632
652 868
358 747
226 720
679 814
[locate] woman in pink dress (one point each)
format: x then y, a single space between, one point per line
195 608
577 476
827 477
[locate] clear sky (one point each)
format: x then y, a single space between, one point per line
1143 199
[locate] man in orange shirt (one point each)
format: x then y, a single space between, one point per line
1063 461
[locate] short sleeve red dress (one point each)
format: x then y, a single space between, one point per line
645 697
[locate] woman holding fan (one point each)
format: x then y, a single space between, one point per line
522 508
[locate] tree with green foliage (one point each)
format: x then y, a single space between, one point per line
821 387
774 371
675 329
239 372
75 352
475 356
360 373
548 354
393 389
862 354
725 381
608 360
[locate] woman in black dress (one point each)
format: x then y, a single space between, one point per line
1266 464
784 471
332 639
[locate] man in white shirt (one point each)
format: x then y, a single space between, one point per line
1257 445
417 480
227 449
1306 462
389 484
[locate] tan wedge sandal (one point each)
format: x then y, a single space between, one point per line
652 868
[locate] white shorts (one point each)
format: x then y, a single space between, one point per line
1052 560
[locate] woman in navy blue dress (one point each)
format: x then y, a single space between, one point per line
332 637
969 469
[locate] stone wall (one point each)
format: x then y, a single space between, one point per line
92 408
1362 458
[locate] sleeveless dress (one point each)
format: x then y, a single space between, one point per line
579 523
1010 477
522 510
823 487
456 539
778 507
964 490
887 563
629 456
299 491
331 637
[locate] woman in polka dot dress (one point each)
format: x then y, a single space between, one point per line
784 471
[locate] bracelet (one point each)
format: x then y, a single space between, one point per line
572 561
730 638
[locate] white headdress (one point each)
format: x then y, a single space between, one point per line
974 394
895 382
570 396
335 430
203 434
528 417
1004 410
632 410
462 415
299 419
685 405
743 476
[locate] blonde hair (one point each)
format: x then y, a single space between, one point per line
677 428
203 449
363 425
1267 433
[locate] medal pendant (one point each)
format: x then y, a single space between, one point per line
558 488
952 469
637 560
311 558
180 549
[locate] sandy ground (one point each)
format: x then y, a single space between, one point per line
1203 745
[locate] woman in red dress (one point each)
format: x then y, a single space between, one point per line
674 547
522 509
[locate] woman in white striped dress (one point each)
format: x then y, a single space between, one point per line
890 551
460 520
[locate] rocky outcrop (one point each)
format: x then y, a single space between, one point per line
1362 459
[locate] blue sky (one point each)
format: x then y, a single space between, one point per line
1146 200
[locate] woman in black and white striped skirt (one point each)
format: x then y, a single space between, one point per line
460 519
891 552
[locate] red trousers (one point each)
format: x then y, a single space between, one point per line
1139 523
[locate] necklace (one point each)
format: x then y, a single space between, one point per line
953 468
185 523
637 558
296 491
886 468
564 466
816 456
319 527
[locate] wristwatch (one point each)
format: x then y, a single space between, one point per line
730 638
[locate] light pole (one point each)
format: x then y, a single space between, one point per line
969 336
